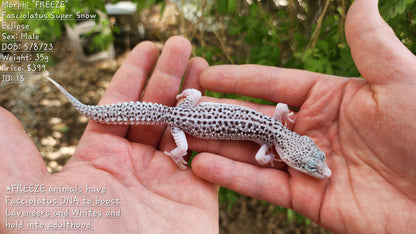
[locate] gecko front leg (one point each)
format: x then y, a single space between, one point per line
282 114
264 155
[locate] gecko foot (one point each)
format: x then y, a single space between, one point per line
177 157
283 115
265 159
289 118
181 148
191 96
264 155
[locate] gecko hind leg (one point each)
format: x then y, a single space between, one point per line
191 98
181 149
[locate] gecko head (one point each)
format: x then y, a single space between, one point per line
306 157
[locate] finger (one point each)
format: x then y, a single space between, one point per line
378 54
127 84
20 159
163 86
241 151
263 183
193 70
288 86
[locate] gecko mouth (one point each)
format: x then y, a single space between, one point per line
326 173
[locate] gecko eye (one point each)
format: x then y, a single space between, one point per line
310 167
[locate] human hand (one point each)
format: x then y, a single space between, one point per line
155 195
366 127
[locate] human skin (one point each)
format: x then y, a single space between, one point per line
155 195
366 127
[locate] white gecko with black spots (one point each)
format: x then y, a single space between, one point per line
215 121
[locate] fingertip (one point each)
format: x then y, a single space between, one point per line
165 81
194 69
180 41
374 45
130 78
363 11
199 63
144 45
175 55
145 50
356 15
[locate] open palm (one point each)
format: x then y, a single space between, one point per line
365 126
155 196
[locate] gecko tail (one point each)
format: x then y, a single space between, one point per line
74 101
120 113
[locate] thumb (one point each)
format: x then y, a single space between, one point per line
378 54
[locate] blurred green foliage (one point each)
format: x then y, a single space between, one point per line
229 197
307 35
401 16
